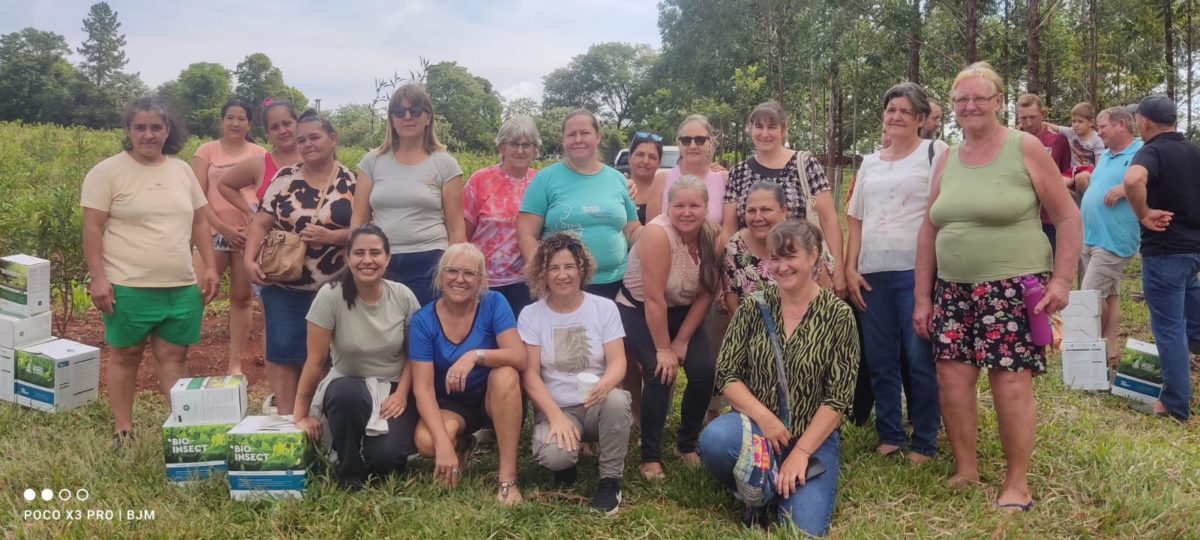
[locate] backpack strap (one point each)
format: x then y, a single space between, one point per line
781 388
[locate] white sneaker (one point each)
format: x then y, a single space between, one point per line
268 406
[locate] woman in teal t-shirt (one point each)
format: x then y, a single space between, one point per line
582 195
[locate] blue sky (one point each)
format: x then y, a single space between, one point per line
334 50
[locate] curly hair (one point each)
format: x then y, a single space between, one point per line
535 270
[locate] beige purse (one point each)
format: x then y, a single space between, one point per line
282 256
810 214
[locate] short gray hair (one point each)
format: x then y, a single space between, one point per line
915 94
518 127
1119 114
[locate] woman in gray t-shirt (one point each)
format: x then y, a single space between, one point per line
412 189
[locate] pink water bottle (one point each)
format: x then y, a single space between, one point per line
1039 323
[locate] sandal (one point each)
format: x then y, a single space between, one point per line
648 472
509 494
1013 508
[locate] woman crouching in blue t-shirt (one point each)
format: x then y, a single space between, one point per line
467 358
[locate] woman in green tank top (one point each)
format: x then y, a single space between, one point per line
982 234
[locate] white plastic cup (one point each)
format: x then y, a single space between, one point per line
586 382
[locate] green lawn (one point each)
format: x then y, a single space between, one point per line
1100 470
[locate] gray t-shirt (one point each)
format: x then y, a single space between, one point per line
406 200
1082 152
368 341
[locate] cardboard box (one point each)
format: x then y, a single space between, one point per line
1085 365
1139 375
24 285
268 459
194 452
207 400
17 332
57 375
7 380
1081 317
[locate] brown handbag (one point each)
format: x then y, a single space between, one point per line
282 256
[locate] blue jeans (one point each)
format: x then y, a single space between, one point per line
810 508
888 332
416 271
1173 296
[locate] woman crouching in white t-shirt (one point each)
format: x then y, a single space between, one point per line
362 320
576 361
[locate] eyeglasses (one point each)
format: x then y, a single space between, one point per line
525 146
454 273
700 140
416 111
976 100
647 136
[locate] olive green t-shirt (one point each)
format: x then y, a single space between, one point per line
368 340
987 219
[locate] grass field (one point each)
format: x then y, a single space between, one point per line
1100 470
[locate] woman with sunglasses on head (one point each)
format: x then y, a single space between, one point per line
412 189
773 161
210 163
645 155
314 200
696 146
466 361
491 203
583 195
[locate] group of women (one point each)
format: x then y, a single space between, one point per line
414 324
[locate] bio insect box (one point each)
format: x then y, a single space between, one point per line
7 380
194 451
24 285
207 400
1139 376
268 459
57 375
1085 365
17 332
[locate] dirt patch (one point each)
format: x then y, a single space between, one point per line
209 357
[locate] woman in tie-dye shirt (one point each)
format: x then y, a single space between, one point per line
491 202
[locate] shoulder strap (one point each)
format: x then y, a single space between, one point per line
321 200
931 152
781 388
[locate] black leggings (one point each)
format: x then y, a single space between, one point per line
700 367
347 408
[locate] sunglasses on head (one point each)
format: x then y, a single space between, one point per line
416 111
647 136
700 140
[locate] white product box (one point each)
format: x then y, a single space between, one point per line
24 285
1139 376
209 399
57 375
7 380
268 459
1081 317
1085 365
17 332
194 451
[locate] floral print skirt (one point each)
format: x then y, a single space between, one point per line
985 325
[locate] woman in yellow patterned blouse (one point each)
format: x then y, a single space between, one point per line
820 349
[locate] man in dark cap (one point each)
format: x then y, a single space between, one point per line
1163 188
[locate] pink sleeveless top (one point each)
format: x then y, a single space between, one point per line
683 281
269 170
716 193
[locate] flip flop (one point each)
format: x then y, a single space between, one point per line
1012 508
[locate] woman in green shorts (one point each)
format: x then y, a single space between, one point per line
142 210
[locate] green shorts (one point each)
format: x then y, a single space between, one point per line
171 313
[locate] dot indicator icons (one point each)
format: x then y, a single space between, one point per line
64 494
47 494
30 495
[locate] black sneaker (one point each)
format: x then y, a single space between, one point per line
566 477
755 517
608 496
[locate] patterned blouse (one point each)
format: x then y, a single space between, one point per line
744 271
292 202
821 356
747 173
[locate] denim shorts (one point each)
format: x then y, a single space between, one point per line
285 311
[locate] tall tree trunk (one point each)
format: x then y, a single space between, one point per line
1190 45
1169 49
1093 76
914 54
1033 20
971 28
1049 82
833 132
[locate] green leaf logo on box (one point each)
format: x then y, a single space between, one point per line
267 451
189 444
14 282
35 369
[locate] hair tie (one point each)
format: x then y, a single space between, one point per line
267 102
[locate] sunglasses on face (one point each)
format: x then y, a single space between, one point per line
700 140
647 136
416 111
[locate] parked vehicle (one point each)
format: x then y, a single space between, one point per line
669 159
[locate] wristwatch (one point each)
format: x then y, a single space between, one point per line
480 357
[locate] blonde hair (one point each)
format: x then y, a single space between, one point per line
417 97
980 69
1027 100
1084 109
710 261
474 257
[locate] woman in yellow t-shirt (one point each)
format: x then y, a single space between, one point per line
142 210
